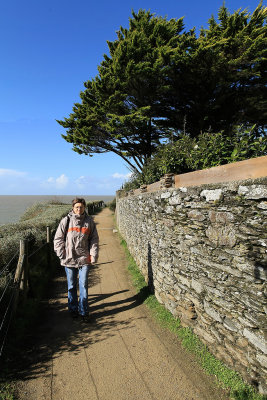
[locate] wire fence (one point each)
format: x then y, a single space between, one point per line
11 264
15 279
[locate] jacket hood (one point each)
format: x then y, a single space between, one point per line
72 213
77 217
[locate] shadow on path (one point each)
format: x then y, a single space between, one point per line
56 332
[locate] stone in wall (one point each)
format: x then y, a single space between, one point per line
222 235
256 339
212 195
253 192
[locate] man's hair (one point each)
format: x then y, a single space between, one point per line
77 200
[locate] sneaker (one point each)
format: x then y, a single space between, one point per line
85 318
74 314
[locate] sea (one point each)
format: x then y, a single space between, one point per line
13 207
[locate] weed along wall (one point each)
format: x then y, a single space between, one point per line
204 251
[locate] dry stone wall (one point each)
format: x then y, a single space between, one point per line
204 252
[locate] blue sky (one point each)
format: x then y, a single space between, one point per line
48 49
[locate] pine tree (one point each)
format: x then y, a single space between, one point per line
122 106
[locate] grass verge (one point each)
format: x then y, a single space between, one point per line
225 377
6 391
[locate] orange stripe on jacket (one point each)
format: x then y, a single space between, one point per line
85 231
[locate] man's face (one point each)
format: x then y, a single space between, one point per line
78 208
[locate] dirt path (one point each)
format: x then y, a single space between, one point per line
122 354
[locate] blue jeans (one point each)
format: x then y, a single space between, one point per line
72 274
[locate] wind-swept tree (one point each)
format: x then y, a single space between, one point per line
121 107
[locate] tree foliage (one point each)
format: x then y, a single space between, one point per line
120 107
222 82
159 81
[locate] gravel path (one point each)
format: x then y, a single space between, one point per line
122 354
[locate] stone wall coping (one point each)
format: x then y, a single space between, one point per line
238 171
242 170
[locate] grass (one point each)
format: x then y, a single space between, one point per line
225 377
7 391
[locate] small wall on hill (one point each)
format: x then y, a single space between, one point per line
203 249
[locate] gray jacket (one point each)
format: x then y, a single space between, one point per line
81 245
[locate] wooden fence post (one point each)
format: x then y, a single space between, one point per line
21 274
48 234
25 273
48 245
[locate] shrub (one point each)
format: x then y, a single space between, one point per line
218 149
208 150
112 205
32 226
95 206
33 211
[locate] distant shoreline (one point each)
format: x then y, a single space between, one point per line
12 207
